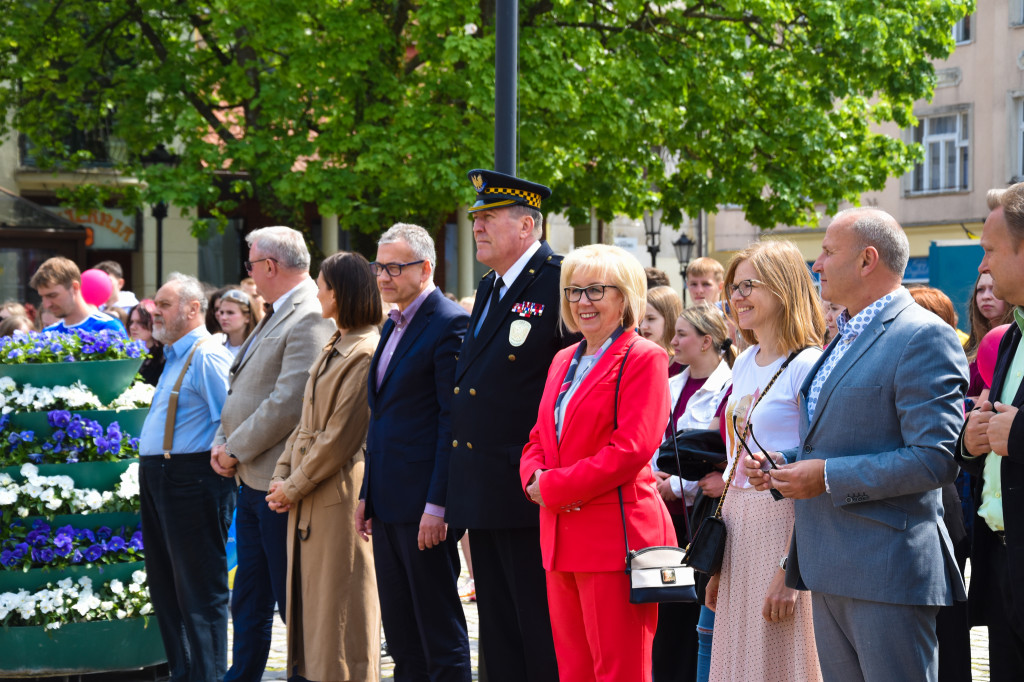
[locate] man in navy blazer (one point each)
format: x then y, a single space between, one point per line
879 416
407 450
992 449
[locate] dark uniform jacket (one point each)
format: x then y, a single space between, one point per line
499 379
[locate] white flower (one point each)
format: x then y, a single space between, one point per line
146 609
117 587
470 29
22 512
139 577
29 470
140 394
7 384
8 497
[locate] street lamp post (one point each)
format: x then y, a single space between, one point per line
159 212
684 251
652 233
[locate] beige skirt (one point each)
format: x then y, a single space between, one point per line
745 646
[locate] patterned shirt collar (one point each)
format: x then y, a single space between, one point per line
851 327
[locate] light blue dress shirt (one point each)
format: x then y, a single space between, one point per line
200 399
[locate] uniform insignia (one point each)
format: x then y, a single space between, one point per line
518 332
528 309
478 182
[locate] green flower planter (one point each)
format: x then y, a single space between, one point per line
106 378
130 421
76 648
37 578
99 475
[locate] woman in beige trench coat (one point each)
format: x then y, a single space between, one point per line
332 611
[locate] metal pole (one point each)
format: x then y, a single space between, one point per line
160 212
506 59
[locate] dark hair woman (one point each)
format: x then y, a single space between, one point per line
140 328
317 483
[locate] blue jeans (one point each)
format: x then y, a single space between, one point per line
260 580
186 510
705 627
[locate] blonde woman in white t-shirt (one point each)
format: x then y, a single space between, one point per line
763 629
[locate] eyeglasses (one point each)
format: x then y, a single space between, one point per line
236 296
768 463
595 292
393 269
743 286
250 263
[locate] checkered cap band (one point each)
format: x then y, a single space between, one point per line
531 198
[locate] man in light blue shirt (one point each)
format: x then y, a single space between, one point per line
186 506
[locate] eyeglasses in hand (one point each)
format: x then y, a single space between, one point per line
769 463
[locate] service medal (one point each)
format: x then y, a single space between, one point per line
518 332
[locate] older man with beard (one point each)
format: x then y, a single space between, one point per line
186 506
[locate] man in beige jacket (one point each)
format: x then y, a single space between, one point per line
262 408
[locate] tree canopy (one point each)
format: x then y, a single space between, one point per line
375 109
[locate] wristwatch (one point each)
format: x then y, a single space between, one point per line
783 561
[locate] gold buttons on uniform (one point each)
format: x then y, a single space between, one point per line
472 391
455 443
511 358
456 390
469 446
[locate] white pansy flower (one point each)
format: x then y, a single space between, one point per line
117 587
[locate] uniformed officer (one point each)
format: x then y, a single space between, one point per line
499 378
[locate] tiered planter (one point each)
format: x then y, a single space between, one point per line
96 646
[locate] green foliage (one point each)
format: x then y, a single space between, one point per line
375 110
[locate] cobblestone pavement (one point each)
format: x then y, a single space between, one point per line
277 661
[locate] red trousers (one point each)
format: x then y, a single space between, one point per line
599 635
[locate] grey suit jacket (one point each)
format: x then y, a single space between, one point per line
886 421
267 381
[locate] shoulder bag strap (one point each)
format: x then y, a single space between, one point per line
615 421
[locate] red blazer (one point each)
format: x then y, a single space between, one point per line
593 458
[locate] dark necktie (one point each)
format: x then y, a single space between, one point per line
268 310
493 306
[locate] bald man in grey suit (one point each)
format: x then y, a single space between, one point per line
880 414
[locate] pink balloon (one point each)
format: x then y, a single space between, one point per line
988 352
96 287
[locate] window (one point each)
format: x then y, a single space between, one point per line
1018 110
962 30
1016 12
946 144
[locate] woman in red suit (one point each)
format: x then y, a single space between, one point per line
577 459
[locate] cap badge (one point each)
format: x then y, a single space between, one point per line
478 182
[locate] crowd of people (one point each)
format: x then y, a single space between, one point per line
857 446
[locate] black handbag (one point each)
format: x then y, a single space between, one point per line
693 454
656 574
707 549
